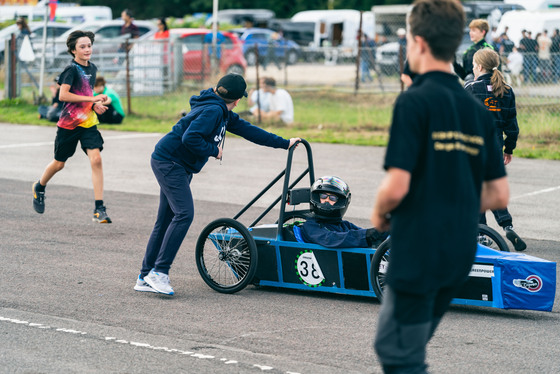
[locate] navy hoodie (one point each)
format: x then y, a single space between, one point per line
196 136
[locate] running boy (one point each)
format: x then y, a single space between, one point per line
183 152
77 122
491 89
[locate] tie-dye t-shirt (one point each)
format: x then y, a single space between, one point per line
81 80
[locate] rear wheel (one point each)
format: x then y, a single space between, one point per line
226 255
380 260
490 238
379 266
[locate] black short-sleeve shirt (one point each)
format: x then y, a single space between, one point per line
445 139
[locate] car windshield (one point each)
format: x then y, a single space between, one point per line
92 28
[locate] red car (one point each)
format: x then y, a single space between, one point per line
196 64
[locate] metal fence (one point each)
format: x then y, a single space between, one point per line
155 67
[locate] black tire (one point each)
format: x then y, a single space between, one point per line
489 237
235 69
226 255
379 265
292 57
251 57
380 260
295 216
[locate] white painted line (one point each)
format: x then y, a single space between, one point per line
133 136
536 193
23 145
116 137
112 339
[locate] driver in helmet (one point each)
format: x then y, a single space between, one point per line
330 198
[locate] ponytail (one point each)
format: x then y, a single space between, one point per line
489 60
499 87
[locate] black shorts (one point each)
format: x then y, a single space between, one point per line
66 141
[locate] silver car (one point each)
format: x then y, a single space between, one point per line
54 30
108 39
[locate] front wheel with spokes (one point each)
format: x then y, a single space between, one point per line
226 255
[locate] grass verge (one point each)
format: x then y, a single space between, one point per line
326 117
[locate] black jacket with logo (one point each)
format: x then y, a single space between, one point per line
503 109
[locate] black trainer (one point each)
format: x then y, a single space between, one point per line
517 242
100 215
38 199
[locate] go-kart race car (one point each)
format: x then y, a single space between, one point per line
230 256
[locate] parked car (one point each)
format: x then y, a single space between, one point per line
259 17
258 38
387 55
108 39
197 65
54 30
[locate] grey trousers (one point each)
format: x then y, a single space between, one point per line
406 324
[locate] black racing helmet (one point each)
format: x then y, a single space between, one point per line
335 186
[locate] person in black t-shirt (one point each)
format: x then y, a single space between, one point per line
128 28
444 167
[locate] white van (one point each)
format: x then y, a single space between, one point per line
535 21
65 12
337 27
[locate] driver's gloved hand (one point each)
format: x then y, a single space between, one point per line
374 237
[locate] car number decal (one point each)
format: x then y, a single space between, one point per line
308 269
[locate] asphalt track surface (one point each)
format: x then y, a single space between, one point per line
67 304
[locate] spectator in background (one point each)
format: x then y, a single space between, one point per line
128 27
52 112
214 57
23 29
271 47
163 33
478 31
515 65
506 45
530 58
367 57
248 22
259 99
555 55
114 113
281 104
163 30
544 43
401 33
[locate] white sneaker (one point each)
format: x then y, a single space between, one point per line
143 286
159 282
